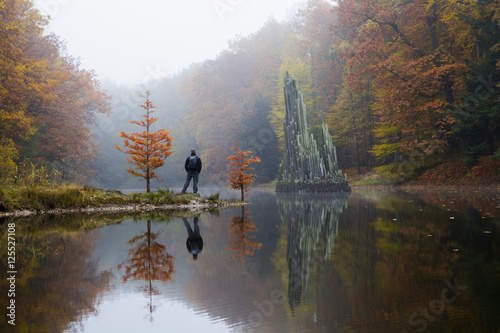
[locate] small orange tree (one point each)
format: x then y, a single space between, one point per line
240 162
147 150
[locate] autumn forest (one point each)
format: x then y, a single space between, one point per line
409 90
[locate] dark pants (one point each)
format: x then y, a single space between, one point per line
194 243
194 176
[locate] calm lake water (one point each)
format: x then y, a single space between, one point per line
371 261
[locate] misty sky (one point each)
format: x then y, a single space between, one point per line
133 41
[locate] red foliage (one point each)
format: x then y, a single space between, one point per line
242 229
239 165
416 61
147 150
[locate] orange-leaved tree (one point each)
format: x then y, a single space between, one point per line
147 150
240 162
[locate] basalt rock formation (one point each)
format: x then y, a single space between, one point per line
306 168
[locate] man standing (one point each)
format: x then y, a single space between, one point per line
193 169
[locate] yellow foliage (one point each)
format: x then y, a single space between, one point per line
8 154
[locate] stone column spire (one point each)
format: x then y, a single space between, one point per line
306 168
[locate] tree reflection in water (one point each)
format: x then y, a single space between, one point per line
58 283
148 261
243 232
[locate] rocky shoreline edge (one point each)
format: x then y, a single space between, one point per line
193 206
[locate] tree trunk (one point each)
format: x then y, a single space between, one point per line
242 194
148 189
370 131
356 148
365 150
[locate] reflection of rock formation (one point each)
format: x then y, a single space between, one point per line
312 227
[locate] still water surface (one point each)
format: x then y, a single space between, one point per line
371 261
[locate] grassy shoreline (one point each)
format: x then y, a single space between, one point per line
71 198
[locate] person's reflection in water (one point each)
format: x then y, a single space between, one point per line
194 242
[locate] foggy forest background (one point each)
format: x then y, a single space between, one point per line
403 86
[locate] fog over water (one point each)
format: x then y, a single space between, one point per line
129 42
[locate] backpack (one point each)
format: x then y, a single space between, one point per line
193 163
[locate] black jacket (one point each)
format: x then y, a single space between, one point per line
194 244
199 165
